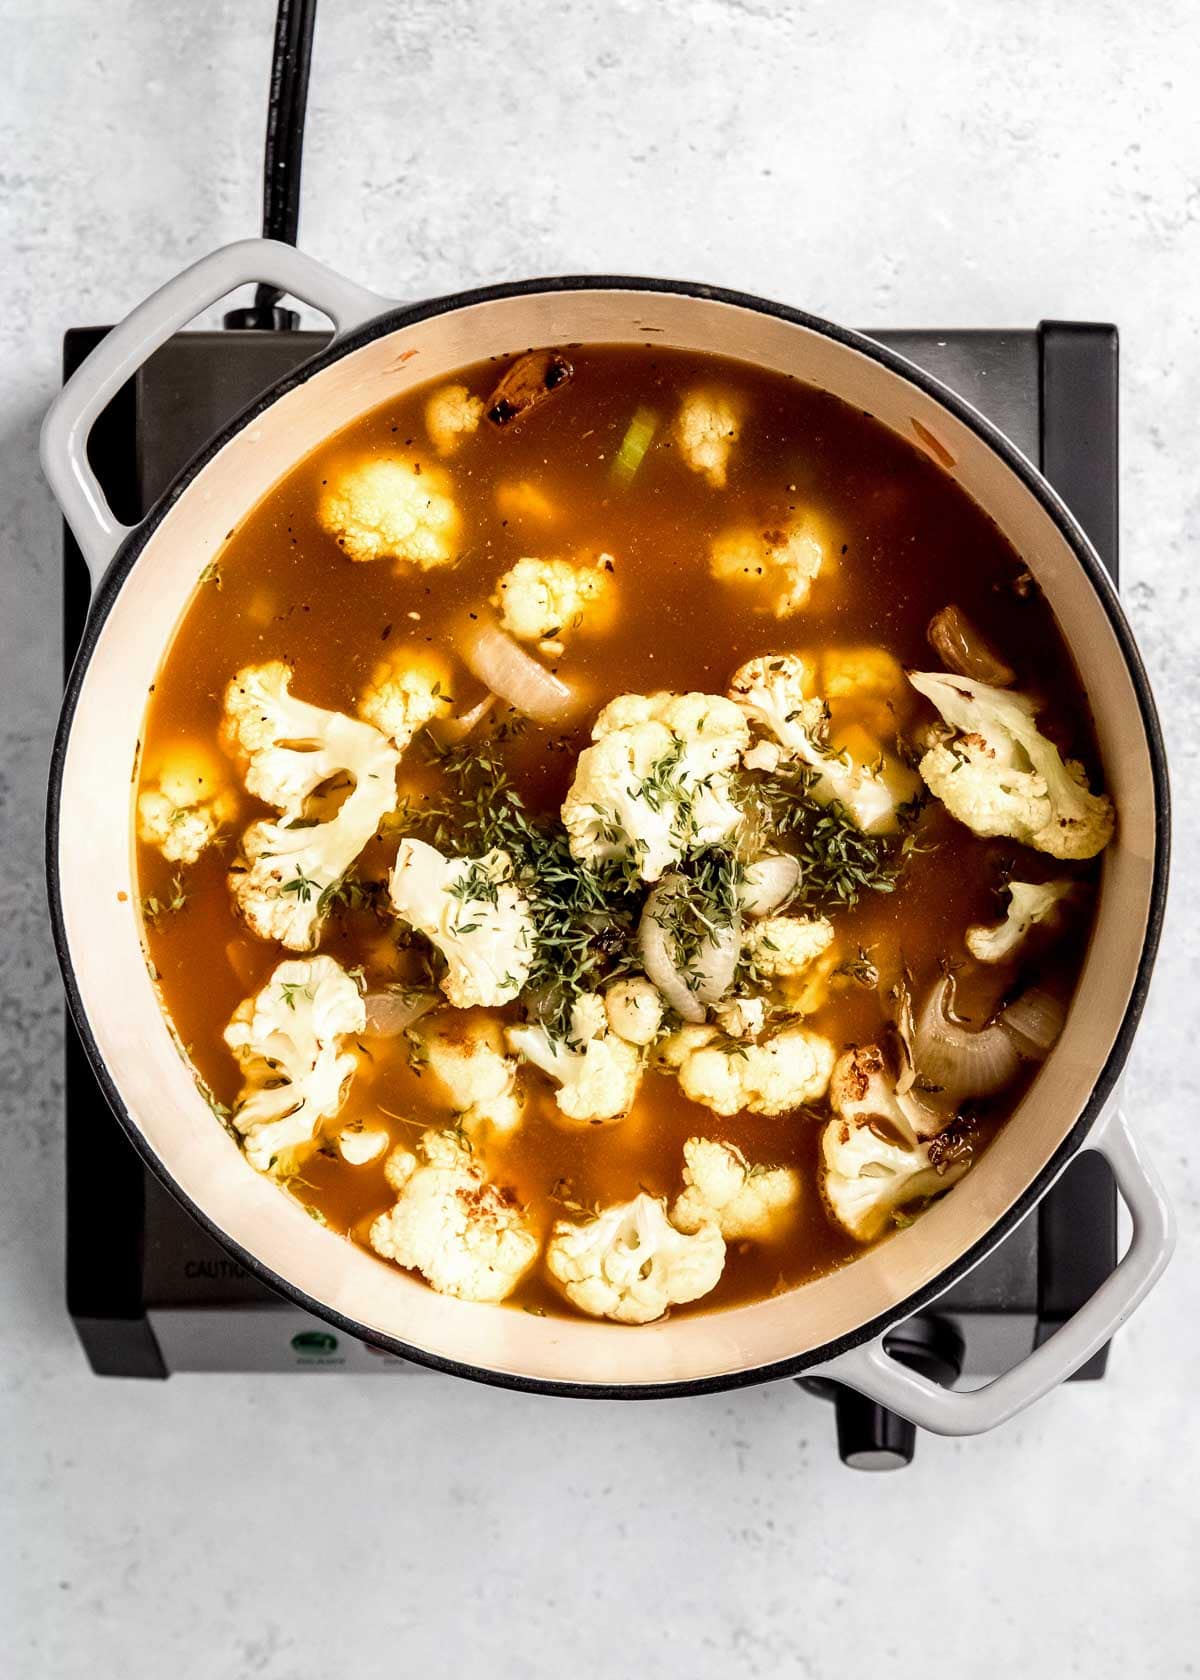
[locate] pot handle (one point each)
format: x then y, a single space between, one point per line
65 431
872 1371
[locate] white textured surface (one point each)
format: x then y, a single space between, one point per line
903 163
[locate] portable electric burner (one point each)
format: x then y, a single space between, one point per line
151 1293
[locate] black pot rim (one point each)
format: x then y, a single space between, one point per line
392 320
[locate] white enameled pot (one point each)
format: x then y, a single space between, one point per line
144 578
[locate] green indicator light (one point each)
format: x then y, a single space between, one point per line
314 1341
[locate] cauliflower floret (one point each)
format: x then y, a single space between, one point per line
783 947
408 690
785 1071
450 415
747 1202
360 1145
524 503
596 1070
862 1088
872 680
466 1055
634 1009
631 1264
794 954
464 1234
540 600
671 1052
741 1017
868 672
874 1162
292 749
772 694
187 806
389 508
476 915
1003 777
784 564
707 429
656 784
1028 905
290 1042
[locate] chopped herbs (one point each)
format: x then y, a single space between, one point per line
702 908
859 969
584 918
350 894
838 862
154 908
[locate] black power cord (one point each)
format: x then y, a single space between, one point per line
283 154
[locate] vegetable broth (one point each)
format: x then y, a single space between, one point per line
906 541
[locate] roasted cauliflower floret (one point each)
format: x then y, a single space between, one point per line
785 947
862 1087
656 783
874 1164
871 681
747 1202
773 694
545 600
1029 905
1001 776
671 1051
465 1054
793 956
464 1234
630 1263
451 414
407 691
290 750
706 430
474 913
523 503
360 1145
186 806
597 1071
634 1009
741 1017
780 565
785 1071
866 672
291 1042
393 508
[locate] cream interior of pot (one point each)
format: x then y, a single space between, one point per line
99 895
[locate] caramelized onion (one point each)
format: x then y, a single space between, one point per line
963 648
711 973
449 731
516 676
390 1013
1034 1021
956 1060
769 882
905 1032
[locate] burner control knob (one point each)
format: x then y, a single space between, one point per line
869 1436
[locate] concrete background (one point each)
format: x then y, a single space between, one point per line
889 162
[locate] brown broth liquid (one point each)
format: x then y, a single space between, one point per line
907 542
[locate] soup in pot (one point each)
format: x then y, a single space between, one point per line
616 832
